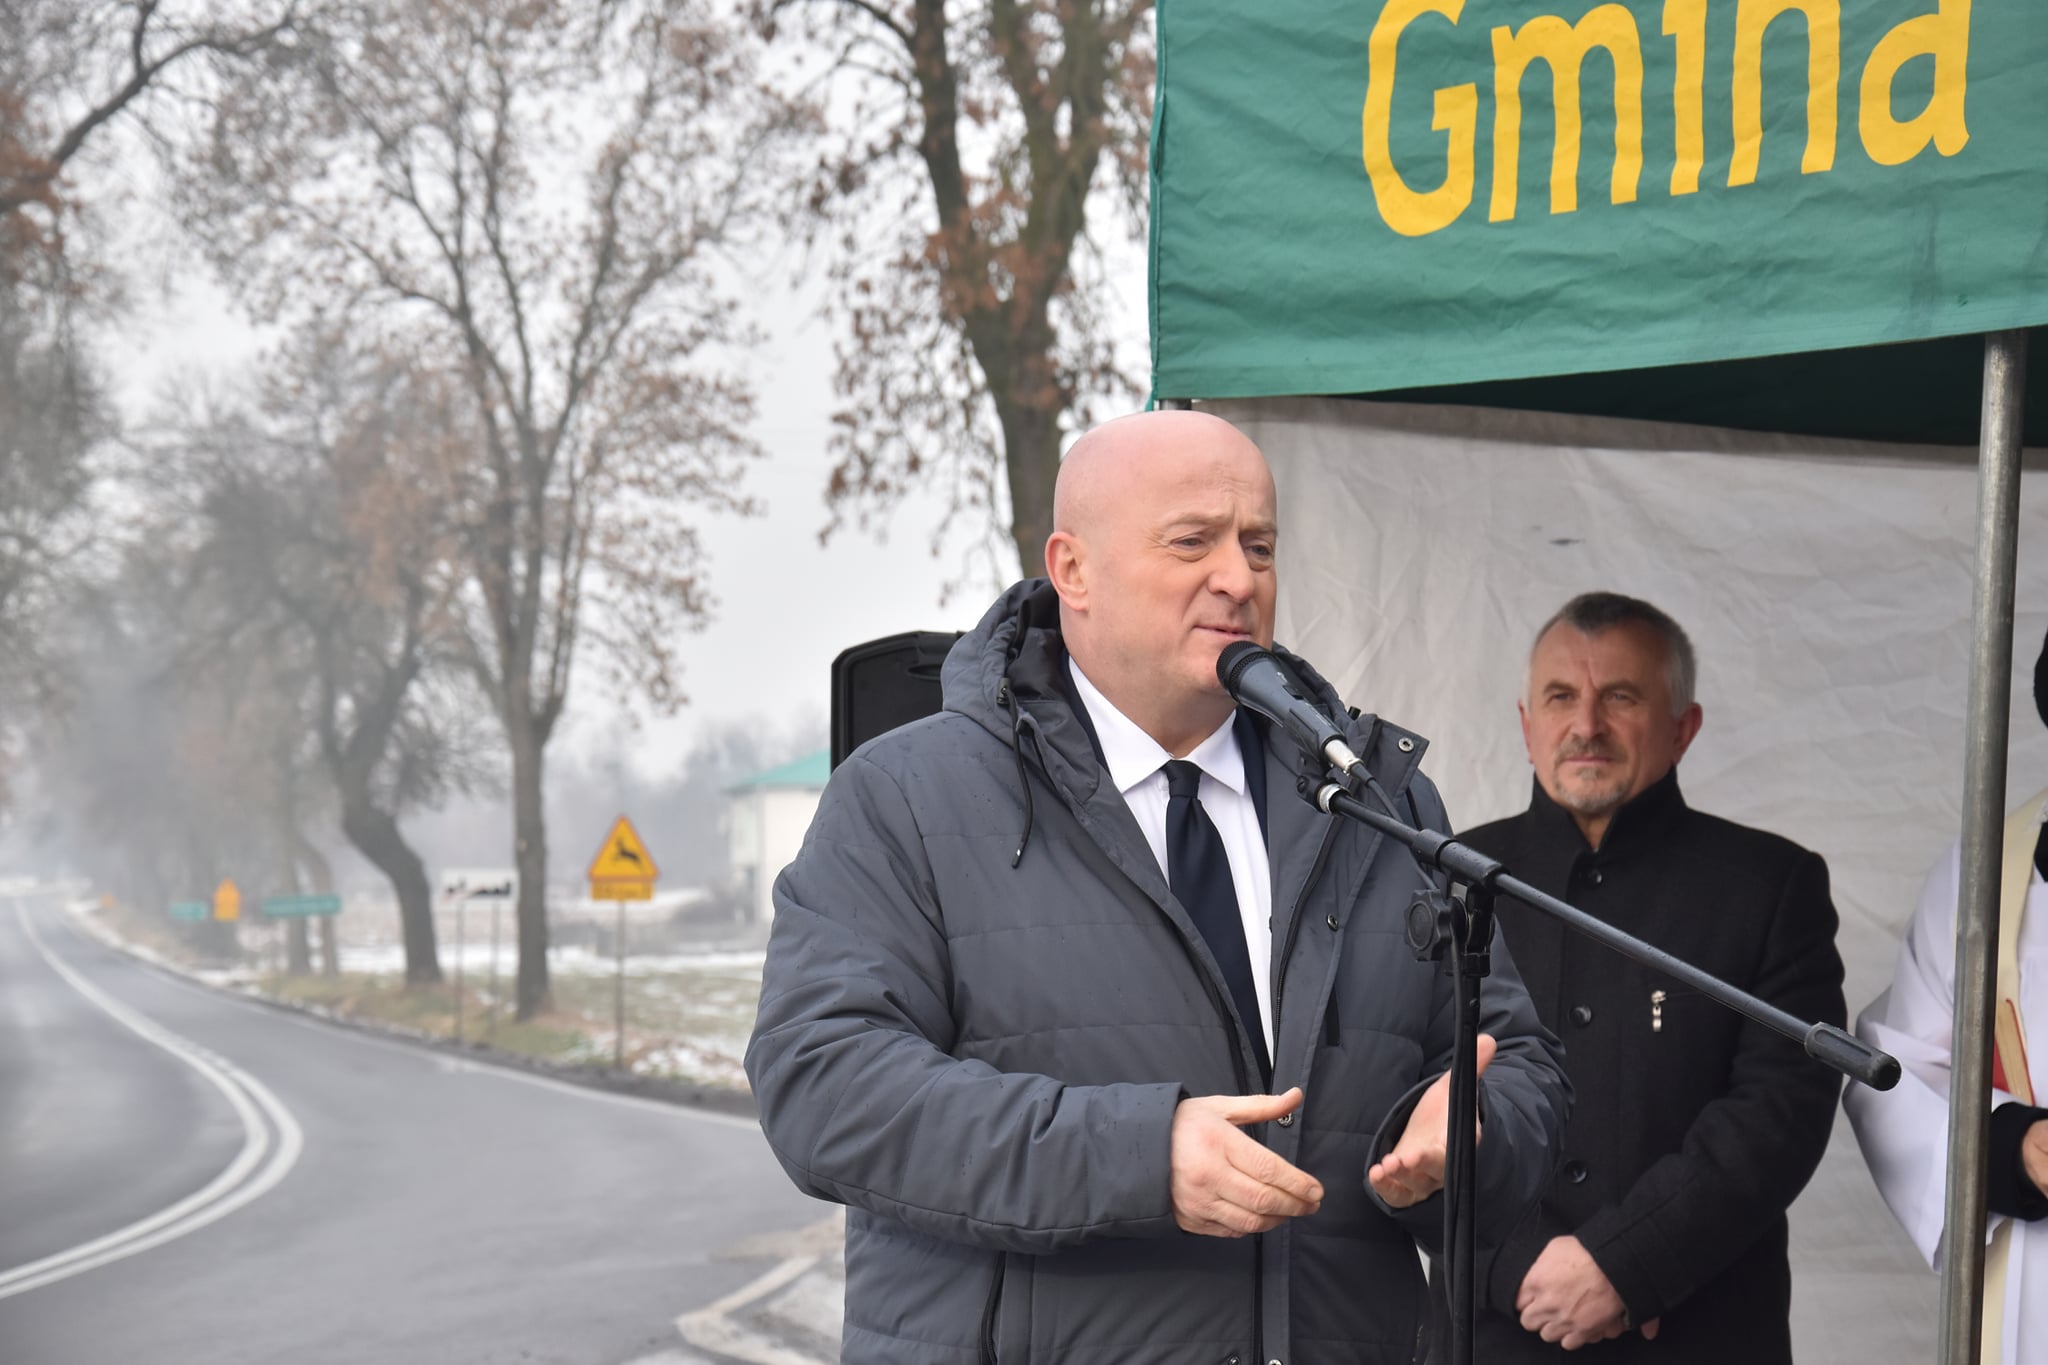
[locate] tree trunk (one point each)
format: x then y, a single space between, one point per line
1031 451
298 948
375 834
330 953
530 853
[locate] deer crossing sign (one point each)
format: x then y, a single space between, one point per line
623 870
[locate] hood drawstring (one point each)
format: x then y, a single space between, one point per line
1009 703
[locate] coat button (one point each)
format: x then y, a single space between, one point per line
1331 921
1286 1120
1575 1171
1582 1015
1231 1359
1594 876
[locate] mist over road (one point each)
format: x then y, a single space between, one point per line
309 1194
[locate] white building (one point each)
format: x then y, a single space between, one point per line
766 816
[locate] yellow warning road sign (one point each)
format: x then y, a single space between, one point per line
227 901
623 870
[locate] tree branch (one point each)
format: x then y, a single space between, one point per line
32 184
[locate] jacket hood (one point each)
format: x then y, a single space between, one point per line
1005 676
1024 623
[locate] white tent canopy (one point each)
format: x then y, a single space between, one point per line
1827 588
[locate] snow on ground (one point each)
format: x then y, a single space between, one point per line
381 959
682 1058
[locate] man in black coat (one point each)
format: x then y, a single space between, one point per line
1662 1235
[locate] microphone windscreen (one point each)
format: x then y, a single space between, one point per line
1236 657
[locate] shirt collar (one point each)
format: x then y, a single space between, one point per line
1131 755
1637 822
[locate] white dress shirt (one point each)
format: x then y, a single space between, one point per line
1135 761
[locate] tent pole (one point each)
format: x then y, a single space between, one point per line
1989 723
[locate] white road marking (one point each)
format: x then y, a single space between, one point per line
711 1328
728 1331
263 1161
481 1066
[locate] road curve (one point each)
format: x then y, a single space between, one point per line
325 1196
271 1143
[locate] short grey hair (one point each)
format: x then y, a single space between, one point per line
1590 613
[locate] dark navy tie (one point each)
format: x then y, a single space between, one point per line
1198 870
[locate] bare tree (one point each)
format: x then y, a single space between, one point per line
978 143
544 197
53 416
71 67
331 531
159 775
69 70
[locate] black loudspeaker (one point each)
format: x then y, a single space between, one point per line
885 683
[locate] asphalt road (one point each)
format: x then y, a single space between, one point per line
308 1194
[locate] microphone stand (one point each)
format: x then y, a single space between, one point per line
1455 930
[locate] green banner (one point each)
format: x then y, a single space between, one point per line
1388 194
289 907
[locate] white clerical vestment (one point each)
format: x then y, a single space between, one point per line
1904 1131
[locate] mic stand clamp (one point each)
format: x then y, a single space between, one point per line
1454 929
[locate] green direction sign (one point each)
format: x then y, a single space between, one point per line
290 907
191 910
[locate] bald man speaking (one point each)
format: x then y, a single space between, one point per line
1113 1045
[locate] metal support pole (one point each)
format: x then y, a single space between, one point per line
491 1015
619 997
1989 723
460 902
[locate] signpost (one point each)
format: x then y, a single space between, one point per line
289 913
227 902
622 871
191 911
300 907
498 886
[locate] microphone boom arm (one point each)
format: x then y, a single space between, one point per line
1825 1043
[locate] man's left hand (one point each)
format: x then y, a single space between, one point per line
1414 1170
1566 1298
2034 1154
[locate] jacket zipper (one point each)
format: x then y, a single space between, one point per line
1315 874
988 1311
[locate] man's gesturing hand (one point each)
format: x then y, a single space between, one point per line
1414 1170
1224 1183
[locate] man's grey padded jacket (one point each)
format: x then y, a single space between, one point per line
981 1054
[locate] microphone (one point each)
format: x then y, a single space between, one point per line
1255 679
